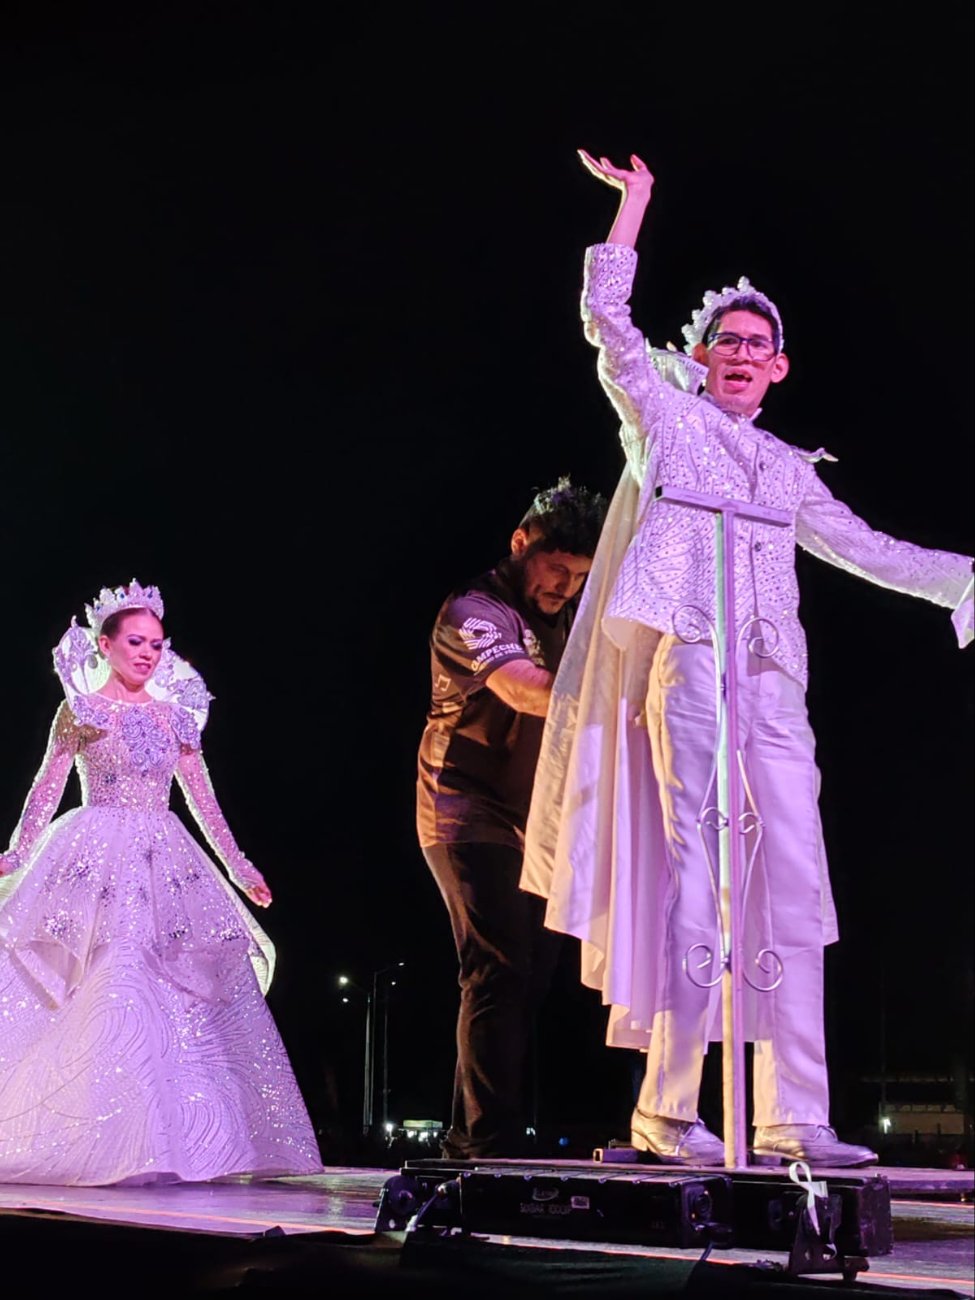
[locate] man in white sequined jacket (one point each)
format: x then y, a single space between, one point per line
617 838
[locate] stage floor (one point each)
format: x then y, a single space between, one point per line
932 1211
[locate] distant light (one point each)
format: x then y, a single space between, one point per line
343 980
529 1131
886 1123
389 1127
563 1142
345 1000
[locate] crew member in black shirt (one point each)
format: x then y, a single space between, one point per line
495 647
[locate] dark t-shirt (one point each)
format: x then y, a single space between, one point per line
477 756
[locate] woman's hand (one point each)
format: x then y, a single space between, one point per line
259 894
9 862
251 883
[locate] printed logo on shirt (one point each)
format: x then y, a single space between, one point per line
495 652
478 633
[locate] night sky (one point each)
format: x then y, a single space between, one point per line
289 314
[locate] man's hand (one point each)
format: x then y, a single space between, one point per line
963 617
637 181
634 186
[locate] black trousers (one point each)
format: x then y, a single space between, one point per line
507 959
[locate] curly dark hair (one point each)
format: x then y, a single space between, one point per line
565 518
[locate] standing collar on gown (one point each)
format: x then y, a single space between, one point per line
82 671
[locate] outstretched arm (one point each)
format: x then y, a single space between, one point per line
634 185
830 530
194 781
45 792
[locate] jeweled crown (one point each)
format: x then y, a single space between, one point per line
134 596
715 304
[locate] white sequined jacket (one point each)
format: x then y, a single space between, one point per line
673 437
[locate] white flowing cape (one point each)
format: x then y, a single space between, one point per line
595 832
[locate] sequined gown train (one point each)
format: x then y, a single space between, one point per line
135 1042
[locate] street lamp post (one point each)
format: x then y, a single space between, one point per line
368 1064
376 975
371 998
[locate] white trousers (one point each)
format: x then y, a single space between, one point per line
784 901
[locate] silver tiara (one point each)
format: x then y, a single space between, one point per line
134 596
715 303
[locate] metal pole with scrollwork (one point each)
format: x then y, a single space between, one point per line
728 807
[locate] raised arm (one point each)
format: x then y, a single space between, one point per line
194 780
632 381
46 791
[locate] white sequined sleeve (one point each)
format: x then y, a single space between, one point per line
194 781
47 789
831 531
626 371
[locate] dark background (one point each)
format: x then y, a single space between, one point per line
289 314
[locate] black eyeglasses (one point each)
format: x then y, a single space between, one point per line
758 347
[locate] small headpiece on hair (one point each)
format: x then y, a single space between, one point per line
715 304
134 596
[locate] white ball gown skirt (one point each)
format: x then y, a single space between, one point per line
135 1041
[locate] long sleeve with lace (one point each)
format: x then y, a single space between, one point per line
194 781
47 789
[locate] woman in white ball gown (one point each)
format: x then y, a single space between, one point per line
135 1042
